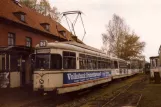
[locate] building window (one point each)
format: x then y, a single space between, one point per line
11 39
63 33
22 17
47 27
28 42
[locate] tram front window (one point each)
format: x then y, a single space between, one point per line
42 61
48 61
56 61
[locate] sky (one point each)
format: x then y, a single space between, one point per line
143 17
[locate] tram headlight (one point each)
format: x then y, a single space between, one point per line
41 81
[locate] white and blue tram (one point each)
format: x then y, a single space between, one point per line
69 66
119 68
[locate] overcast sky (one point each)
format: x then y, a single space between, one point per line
143 16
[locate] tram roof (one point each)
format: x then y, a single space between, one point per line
153 57
118 59
66 45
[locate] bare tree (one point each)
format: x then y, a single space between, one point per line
43 7
29 3
118 41
55 14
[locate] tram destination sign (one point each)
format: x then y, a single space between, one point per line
43 51
74 77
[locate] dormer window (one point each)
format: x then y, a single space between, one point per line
20 15
46 26
63 33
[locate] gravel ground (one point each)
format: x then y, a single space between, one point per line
151 95
95 97
102 95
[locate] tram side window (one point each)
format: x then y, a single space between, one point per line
82 61
129 66
94 62
87 61
132 66
99 63
102 63
115 64
2 62
112 64
122 65
56 61
108 64
69 60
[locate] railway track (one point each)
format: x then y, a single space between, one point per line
122 96
53 100
125 96
128 97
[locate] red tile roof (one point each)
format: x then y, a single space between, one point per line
32 18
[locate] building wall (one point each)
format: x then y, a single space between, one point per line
20 35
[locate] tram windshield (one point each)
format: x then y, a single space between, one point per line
48 61
42 61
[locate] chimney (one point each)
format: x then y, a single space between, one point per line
17 2
75 38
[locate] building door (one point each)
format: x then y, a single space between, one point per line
23 72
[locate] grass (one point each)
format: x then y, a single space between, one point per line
151 96
112 88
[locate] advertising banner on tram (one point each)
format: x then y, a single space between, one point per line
74 77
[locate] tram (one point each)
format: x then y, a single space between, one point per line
119 68
135 66
154 66
69 66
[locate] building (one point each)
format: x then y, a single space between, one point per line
154 61
21 28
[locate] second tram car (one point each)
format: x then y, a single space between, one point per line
119 68
69 66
